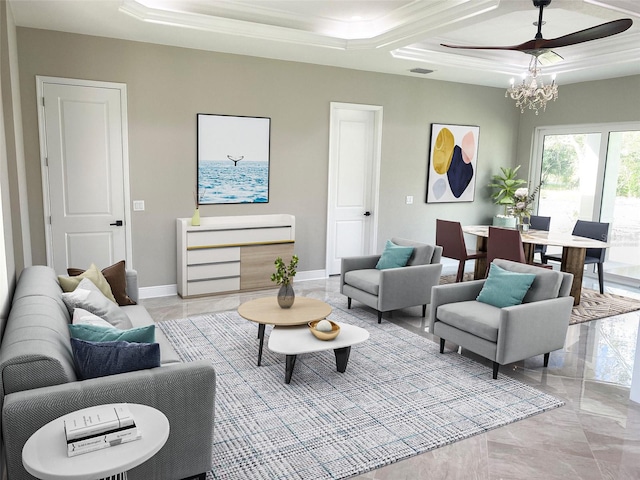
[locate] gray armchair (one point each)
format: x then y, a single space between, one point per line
505 335
393 288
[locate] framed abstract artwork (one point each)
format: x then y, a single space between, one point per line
233 159
453 156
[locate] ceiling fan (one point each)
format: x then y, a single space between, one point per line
541 47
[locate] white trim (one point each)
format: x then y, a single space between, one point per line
157 291
311 275
40 81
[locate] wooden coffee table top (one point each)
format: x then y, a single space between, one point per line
266 310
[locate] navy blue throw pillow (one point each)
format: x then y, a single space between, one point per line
99 359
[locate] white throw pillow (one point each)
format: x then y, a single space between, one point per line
95 302
83 317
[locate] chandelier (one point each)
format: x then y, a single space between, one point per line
532 93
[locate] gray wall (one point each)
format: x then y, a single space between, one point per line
168 86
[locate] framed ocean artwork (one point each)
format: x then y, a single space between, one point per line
453 157
233 159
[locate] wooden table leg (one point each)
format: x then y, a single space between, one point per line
573 262
529 251
480 269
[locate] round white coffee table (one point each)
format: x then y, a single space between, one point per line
267 311
44 455
293 341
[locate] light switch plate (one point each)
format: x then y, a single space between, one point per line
138 205
409 199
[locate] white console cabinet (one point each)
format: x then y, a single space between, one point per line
227 254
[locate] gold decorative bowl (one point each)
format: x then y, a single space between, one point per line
335 330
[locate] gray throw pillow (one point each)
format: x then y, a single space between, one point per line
89 297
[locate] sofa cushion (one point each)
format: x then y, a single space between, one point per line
545 286
117 279
88 297
394 256
99 359
479 319
422 253
69 284
504 288
367 280
97 333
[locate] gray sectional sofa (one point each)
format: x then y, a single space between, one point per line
39 383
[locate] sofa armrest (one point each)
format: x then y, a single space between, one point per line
452 293
132 284
530 329
183 392
357 263
406 286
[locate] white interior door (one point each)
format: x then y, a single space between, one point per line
354 162
85 181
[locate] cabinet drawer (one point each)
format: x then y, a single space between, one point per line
238 237
217 285
257 264
213 270
213 255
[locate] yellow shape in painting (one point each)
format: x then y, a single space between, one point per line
443 151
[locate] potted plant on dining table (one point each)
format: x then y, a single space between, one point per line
504 187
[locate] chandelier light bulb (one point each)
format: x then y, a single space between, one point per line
532 93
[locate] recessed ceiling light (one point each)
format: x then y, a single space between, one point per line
422 71
356 18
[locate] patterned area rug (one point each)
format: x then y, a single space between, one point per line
398 397
593 305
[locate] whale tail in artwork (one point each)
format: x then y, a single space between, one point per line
235 160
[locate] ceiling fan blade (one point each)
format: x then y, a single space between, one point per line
512 47
600 31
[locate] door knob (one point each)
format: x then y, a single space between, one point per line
367 214
117 223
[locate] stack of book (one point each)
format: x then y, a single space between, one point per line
99 427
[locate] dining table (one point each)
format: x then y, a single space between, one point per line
574 250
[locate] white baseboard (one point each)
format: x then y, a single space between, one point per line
158 291
169 290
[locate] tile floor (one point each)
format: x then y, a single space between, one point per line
595 436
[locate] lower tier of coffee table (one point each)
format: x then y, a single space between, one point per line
294 341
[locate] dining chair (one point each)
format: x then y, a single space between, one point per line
538 222
595 231
504 243
450 237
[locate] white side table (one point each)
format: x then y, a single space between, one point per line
45 453
293 341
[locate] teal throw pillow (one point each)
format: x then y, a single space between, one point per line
98 333
394 256
98 359
503 288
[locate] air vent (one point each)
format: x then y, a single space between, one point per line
421 71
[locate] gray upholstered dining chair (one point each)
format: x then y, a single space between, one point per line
538 222
487 318
392 288
595 231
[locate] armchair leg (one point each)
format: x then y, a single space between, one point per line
546 359
601 277
496 366
349 303
442 345
379 316
424 310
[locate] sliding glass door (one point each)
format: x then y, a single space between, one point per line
593 173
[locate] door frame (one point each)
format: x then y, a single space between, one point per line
375 172
40 81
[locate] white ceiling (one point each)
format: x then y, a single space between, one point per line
390 36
